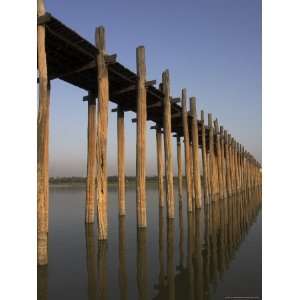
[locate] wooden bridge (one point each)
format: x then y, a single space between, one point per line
227 167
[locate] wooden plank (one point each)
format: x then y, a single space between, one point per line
43 19
160 173
187 151
121 161
141 139
195 147
168 145
42 145
102 124
91 160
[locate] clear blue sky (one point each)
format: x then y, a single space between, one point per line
211 47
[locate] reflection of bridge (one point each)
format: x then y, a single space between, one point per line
214 237
227 167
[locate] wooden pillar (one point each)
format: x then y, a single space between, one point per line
219 159
91 160
168 145
204 162
195 144
227 164
102 124
186 151
211 157
160 174
179 164
141 205
223 161
42 144
121 162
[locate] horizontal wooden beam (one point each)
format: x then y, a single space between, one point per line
110 59
44 19
176 115
132 88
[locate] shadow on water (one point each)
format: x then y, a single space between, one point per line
194 268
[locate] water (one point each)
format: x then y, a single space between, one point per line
211 254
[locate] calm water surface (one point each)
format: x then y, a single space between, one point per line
211 254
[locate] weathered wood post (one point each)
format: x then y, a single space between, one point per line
102 124
42 144
195 144
179 165
186 151
121 161
141 204
223 162
219 159
230 163
160 174
204 162
168 145
192 173
227 166
211 157
91 160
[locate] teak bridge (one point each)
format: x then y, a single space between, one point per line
227 167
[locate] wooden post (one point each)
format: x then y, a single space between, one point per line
179 164
228 176
91 160
42 144
121 162
211 157
102 124
219 159
159 151
195 144
204 162
186 151
223 161
141 205
168 144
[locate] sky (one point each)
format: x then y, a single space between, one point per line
211 47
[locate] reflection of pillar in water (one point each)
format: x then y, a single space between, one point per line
190 255
161 248
206 252
142 264
170 259
199 289
42 283
91 262
102 271
122 259
181 237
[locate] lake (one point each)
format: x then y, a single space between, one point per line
214 253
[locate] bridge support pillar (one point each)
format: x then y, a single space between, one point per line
159 151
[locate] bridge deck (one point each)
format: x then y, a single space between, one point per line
72 58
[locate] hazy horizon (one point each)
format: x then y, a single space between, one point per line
212 48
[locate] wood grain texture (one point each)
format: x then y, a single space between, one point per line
121 161
91 161
168 145
186 151
160 169
204 161
42 145
102 124
179 168
141 145
195 145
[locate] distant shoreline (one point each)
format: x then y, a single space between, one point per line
112 181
